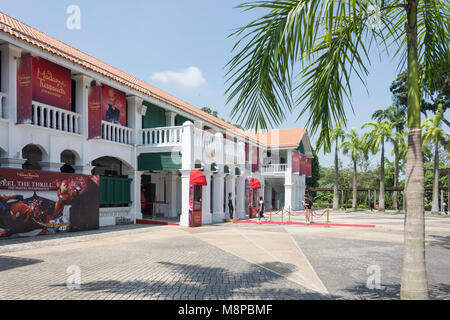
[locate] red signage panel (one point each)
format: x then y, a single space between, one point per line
114 105
36 203
309 167
302 165
295 162
24 90
51 84
95 113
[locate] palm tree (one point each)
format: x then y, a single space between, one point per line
381 133
337 134
353 146
435 134
397 115
326 41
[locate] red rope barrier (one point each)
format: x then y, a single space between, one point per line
314 215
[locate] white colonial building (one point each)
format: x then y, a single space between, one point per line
144 162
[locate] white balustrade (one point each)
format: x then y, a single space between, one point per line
274 168
2 104
116 133
164 136
55 118
229 151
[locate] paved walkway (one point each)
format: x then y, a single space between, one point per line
223 261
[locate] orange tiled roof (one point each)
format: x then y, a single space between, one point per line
282 138
39 39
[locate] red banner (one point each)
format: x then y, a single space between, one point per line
95 113
295 162
24 90
51 84
308 167
35 202
302 165
114 106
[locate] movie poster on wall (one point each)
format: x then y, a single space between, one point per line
114 105
37 203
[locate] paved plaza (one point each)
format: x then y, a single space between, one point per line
224 261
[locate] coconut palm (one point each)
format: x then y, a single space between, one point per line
337 136
353 146
325 42
380 133
435 134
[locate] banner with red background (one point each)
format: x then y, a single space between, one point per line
114 105
42 81
308 167
302 165
95 113
36 202
295 162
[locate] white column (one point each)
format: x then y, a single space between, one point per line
288 196
206 200
184 219
9 60
230 182
135 111
240 198
218 212
170 118
187 165
136 208
172 194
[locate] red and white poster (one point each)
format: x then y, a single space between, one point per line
51 84
36 203
42 81
95 112
24 90
113 105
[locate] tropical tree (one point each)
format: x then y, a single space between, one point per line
353 146
396 114
325 42
435 134
380 133
337 136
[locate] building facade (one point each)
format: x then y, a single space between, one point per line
63 111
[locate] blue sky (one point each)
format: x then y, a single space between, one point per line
180 47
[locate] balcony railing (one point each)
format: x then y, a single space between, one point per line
55 118
2 104
273 168
116 133
161 137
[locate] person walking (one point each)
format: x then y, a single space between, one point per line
230 205
261 206
308 204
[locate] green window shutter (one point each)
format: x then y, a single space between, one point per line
159 161
301 148
179 120
115 191
155 117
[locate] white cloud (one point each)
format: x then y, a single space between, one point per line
191 77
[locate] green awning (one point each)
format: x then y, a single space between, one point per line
159 161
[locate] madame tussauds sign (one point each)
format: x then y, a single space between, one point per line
42 81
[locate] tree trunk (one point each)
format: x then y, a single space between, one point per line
414 273
355 190
381 204
336 176
435 202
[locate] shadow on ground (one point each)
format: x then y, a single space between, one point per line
7 263
205 283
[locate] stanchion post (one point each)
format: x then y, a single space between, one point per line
289 214
270 219
282 215
328 215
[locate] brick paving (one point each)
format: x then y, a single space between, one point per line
160 262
